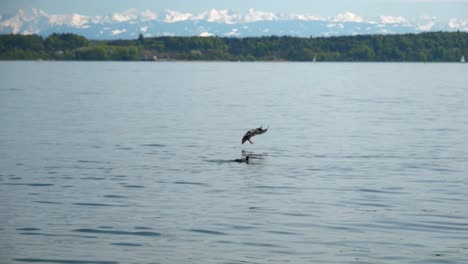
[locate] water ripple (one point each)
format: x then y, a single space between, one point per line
206 231
115 232
115 196
153 145
190 183
29 184
90 161
260 244
126 244
99 204
28 229
283 233
53 235
64 261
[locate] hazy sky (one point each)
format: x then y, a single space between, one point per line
442 9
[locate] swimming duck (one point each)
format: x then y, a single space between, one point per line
246 160
253 132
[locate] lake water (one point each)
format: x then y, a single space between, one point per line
109 162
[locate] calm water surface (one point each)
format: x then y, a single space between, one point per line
132 163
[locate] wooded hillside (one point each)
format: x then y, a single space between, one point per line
423 47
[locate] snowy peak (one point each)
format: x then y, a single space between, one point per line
174 16
348 17
214 22
219 16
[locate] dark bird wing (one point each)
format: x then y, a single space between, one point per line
260 131
253 132
248 135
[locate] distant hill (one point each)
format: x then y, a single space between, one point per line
422 47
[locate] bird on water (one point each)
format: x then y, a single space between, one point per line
246 160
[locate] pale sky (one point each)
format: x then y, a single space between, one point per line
442 9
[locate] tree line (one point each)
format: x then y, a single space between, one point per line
422 47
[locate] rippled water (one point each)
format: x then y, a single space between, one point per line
132 163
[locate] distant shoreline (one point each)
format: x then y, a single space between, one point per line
422 47
227 61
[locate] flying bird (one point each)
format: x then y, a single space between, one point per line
253 132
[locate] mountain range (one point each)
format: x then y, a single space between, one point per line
224 23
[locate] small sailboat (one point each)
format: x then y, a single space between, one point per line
462 59
314 59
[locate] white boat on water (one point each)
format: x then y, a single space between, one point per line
462 59
314 59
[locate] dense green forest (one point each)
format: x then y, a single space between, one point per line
430 47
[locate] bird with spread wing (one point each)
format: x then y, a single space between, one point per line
253 132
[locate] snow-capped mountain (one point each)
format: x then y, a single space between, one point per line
129 24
